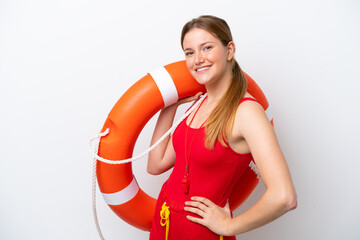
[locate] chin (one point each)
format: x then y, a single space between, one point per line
203 78
204 81
201 81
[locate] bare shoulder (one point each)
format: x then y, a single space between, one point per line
249 114
249 109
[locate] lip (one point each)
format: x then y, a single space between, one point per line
202 68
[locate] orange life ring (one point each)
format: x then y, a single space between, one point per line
133 110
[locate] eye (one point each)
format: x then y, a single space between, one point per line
207 48
189 53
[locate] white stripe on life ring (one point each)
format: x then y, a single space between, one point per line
122 196
269 113
166 85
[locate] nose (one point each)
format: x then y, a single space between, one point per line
199 58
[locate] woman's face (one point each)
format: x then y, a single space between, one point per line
207 59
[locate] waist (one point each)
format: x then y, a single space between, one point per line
172 193
175 204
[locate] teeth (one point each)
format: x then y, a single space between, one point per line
201 69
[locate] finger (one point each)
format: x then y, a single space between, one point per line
197 211
199 94
197 205
195 97
203 200
196 220
227 208
187 99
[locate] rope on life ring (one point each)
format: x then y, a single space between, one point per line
156 90
94 148
97 138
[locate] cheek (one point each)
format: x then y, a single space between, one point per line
220 58
215 57
189 63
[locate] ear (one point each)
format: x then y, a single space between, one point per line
231 50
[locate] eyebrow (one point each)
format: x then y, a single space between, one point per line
202 44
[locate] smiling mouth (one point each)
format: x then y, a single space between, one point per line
202 69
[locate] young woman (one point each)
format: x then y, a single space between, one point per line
211 148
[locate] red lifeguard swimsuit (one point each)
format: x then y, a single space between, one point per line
212 174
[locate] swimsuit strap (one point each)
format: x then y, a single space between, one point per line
193 105
196 113
248 98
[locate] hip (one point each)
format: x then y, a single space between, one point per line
179 227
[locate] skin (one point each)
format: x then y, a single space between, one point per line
210 63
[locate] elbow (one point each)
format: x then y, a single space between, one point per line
152 171
284 200
289 202
151 168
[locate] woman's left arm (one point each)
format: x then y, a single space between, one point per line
279 197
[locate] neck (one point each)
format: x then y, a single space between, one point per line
216 91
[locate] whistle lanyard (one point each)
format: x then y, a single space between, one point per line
186 180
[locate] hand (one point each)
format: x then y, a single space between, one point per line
189 99
215 218
184 100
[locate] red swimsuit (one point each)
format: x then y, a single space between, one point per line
212 174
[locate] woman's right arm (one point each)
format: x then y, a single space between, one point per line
162 158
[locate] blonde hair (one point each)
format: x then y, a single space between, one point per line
221 120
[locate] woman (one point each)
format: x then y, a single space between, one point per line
211 148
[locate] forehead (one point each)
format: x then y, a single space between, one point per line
197 36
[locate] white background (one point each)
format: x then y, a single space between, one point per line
64 64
